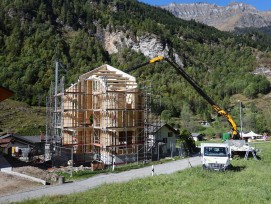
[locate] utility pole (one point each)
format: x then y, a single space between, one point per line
241 122
55 110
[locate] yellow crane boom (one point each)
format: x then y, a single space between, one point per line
194 84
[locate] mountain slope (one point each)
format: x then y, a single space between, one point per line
234 15
84 35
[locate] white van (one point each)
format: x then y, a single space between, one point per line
215 156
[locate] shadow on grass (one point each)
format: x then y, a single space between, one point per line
249 157
236 168
258 157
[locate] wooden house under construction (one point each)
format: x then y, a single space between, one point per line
102 117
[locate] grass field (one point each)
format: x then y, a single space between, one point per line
248 182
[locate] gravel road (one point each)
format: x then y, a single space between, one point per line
80 186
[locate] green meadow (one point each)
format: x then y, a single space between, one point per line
249 181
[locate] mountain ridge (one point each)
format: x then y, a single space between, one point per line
226 18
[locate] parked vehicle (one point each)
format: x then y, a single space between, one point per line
215 156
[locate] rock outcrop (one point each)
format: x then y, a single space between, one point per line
149 45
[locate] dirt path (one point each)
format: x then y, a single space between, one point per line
13 184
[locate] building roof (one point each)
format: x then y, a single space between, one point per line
5 136
28 139
196 134
5 93
5 142
154 128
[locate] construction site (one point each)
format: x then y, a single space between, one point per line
104 116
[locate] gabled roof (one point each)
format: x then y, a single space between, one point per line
154 128
196 134
110 78
171 128
5 93
113 78
5 136
107 70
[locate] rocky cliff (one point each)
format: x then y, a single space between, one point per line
148 44
234 15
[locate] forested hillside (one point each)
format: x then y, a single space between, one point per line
34 33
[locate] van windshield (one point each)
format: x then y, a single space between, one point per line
215 151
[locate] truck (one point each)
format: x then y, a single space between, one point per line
215 156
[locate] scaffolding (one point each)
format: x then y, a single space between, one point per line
103 116
152 122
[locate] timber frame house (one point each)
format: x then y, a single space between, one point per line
101 117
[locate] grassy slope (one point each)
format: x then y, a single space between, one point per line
21 118
250 183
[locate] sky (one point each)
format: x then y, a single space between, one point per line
262 5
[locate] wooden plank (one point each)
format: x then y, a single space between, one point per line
118 80
121 82
108 74
105 71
